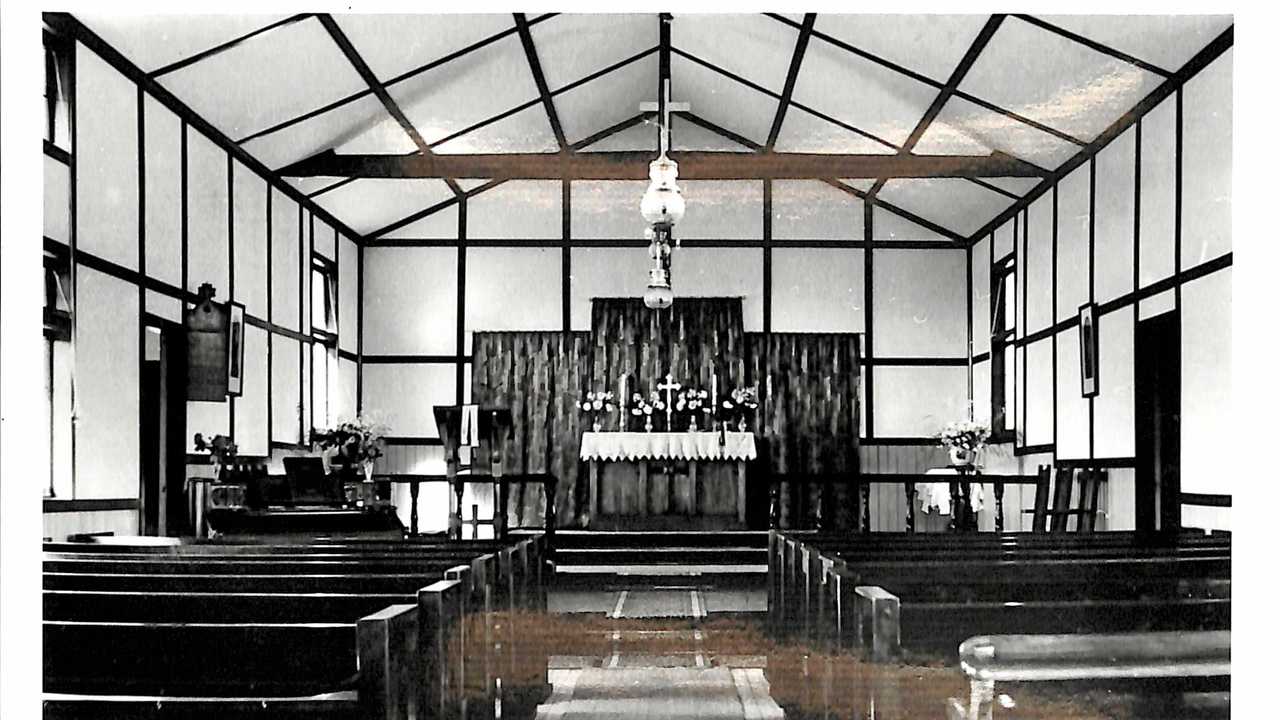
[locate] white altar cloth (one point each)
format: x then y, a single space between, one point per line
937 495
613 446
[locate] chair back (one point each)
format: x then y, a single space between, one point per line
1040 514
1061 500
1091 481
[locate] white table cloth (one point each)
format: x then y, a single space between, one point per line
937 495
613 446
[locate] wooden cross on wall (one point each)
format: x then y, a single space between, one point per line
664 110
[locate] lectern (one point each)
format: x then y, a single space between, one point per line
492 428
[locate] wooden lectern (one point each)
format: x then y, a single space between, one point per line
491 434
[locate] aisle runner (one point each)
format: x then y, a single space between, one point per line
669 693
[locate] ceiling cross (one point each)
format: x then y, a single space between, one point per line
664 107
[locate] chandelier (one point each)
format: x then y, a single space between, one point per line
662 207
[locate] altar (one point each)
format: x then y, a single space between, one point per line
645 473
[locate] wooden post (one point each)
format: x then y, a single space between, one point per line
879 618
439 614
910 488
413 507
593 489
742 492
998 489
387 646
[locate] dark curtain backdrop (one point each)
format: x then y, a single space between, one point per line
694 339
808 385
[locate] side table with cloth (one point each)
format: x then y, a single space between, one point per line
640 448
939 495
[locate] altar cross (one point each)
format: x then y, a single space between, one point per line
669 386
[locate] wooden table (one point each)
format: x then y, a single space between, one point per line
693 447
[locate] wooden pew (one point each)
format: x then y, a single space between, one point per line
1104 660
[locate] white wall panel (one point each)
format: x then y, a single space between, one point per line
1113 222
106 367
512 289
1037 267
207 260
981 276
1159 193
518 210
1073 409
251 406
344 387
348 294
285 389
1156 304
403 396
162 164
604 273
1208 423
106 161
285 259
918 401
1113 418
410 301
57 200
723 272
982 391
818 290
1206 163
1073 243
814 210
720 210
250 236
608 209
1004 239
325 240
169 308
1038 390
918 303
888 225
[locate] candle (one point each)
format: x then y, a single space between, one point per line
713 389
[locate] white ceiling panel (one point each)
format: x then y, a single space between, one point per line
862 184
861 93
395 44
686 135
1056 81
890 226
805 132
371 203
309 185
642 136
607 100
385 137
154 41
527 131
931 45
463 92
722 100
471 183
953 203
314 134
441 224
753 46
268 79
1166 41
965 128
572 46
1015 185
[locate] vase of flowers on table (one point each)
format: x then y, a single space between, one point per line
222 453
690 405
596 403
739 406
963 440
357 443
647 407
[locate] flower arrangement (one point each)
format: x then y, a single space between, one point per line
594 403
740 404
358 442
689 405
221 449
645 407
964 439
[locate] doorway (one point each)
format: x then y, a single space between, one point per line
163 427
1158 416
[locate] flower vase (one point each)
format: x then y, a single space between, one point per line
961 456
367 467
596 425
742 424
648 423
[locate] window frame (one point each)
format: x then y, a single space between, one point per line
323 332
1003 331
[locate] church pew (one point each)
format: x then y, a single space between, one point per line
1163 665
157 606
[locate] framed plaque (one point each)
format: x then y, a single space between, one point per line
1088 350
235 349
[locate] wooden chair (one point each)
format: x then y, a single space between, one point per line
1056 517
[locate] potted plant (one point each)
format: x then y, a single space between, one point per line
690 405
739 405
222 452
963 440
646 407
358 443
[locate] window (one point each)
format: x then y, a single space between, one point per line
324 335
1003 317
57 366
57 91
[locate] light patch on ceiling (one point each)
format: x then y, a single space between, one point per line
954 203
805 132
965 128
321 132
527 131
1166 41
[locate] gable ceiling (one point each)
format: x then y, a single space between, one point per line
287 88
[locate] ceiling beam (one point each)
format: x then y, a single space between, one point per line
797 57
540 80
953 83
635 166
379 91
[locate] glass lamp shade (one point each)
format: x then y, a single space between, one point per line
662 202
658 297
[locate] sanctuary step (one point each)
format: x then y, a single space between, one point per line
728 557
